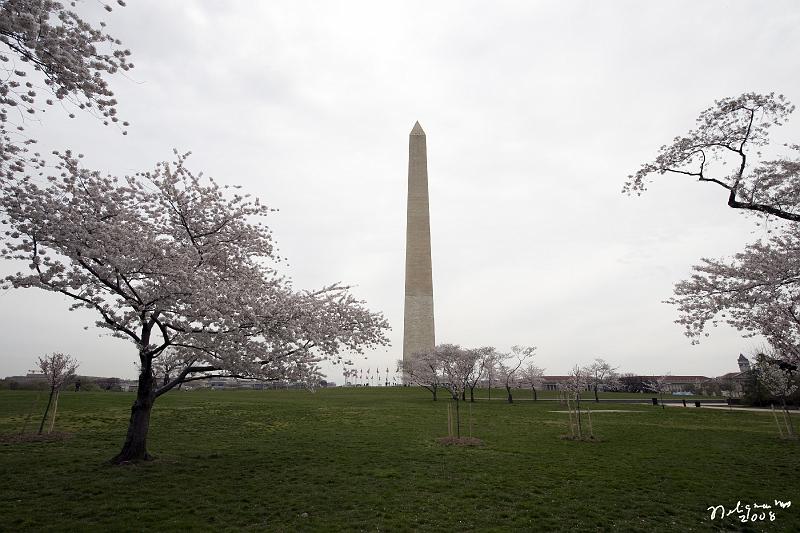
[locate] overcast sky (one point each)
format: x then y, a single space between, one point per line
535 113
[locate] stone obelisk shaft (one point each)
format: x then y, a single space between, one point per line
418 331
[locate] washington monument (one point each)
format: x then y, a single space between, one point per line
418 332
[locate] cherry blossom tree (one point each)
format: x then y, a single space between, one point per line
167 365
350 375
725 148
491 372
451 367
660 386
482 359
58 369
448 366
533 376
457 365
509 365
630 382
601 374
50 49
757 292
781 380
183 268
578 381
423 369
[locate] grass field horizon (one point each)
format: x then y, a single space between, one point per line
366 459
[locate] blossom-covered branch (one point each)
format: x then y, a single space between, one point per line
757 292
51 48
731 132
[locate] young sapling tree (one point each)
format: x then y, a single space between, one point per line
58 369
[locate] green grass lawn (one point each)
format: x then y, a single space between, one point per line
367 459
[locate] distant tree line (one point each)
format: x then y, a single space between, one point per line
85 383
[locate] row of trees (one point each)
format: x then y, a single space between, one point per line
181 266
458 370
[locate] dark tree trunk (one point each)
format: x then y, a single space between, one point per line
46 410
596 397
472 394
433 391
458 420
535 396
788 418
510 399
135 447
464 395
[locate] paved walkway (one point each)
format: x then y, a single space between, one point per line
671 402
734 408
